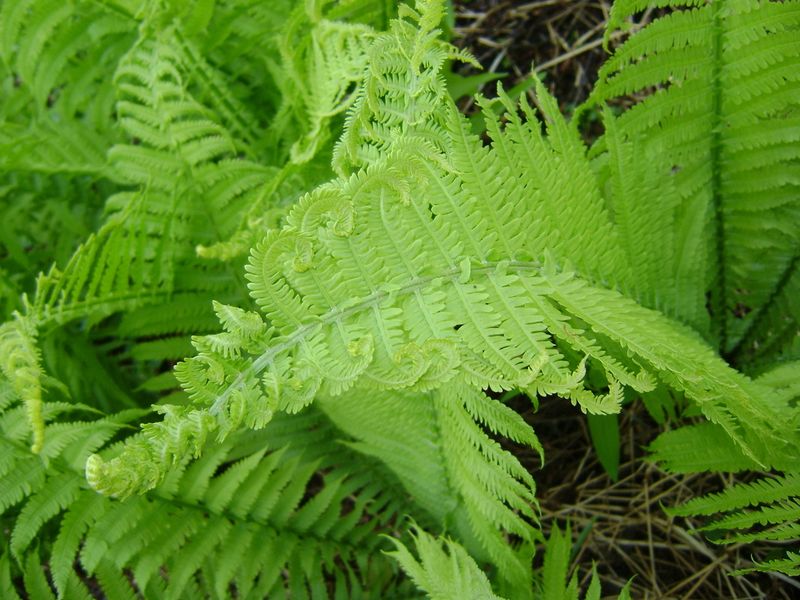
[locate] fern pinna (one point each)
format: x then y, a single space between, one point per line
396 281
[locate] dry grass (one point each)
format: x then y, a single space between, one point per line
560 39
628 533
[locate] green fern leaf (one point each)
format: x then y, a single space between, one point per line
741 496
53 148
61 52
35 580
765 510
431 442
556 564
57 493
444 569
70 535
230 502
6 584
722 129
784 379
337 59
699 448
555 581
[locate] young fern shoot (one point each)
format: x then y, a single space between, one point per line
440 261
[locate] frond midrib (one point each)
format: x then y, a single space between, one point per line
369 302
734 356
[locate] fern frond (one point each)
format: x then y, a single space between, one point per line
742 496
624 9
789 565
699 448
42 225
21 366
784 380
62 52
436 445
402 92
144 254
48 147
326 75
773 337
58 493
556 563
721 127
444 570
38 488
272 504
307 504
177 151
555 581
35 581
765 510
213 90
644 208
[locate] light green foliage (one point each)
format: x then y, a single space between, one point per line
415 272
604 430
185 162
697 448
131 119
723 122
292 185
436 445
766 511
444 569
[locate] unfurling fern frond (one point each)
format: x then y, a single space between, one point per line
322 66
424 269
722 133
403 92
182 156
20 364
328 73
